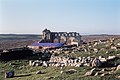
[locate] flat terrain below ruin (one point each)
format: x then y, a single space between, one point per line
17 40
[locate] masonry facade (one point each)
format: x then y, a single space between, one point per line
69 38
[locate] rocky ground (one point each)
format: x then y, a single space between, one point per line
99 59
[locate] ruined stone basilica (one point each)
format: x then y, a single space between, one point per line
68 38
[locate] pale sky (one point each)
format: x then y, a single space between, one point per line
83 16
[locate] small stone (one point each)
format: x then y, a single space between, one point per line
71 71
30 62
33 64
50 78
102 75
89 73
61 72
96 74
38 72
111 57
118 77
118 67
102 59
45 64
103 70
113 68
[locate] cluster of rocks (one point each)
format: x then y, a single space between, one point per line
102 72
59 61
66 61
62 61
113 44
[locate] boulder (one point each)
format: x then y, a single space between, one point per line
9 74
96 63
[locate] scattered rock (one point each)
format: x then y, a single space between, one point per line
89 73
96 74
45 64
118 44
9 74
33 64
61 72
95 50
104 74
38 72
118 67
30 62
111 57
113 47
71 71
110 72
96 63
50 77
113 68
118 77
102 59
87 64
102 70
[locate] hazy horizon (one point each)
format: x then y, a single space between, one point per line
86 17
